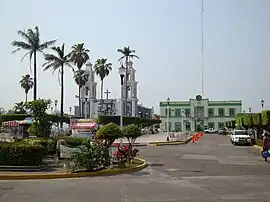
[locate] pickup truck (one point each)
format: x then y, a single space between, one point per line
241 137
211 130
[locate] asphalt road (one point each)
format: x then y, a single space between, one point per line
209 170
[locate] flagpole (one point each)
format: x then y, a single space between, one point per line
202 59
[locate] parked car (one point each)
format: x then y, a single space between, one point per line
211 130
223 131
240 137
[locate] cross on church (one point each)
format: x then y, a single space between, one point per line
107 92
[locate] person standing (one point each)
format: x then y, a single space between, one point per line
266 143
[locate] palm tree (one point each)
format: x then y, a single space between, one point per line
19 108
102 69
57 62
26 83
81 77
79 56
32 44
127 54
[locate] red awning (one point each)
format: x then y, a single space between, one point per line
83 125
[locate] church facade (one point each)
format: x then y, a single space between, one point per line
92 107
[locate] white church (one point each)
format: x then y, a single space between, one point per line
93 107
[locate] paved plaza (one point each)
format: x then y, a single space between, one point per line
209 170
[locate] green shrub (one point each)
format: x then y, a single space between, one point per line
239 120
21 154
33 130
265 117
91 156
131 132
70 141
246 120
51 146
109 133
35 141
256 119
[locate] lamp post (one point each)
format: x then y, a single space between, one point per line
55 104
182 120
168 114
121 72
85 108
249 110
262 103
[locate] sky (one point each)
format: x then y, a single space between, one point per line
166 36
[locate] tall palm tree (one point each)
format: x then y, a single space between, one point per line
58 62
81 77
102 69
19 108
26 83
127 55
32 44
79 55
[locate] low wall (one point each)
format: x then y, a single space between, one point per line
179 136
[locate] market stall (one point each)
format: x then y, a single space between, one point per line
82 127
18 128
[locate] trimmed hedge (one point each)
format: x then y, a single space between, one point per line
21 154
10 117
256 119
265 117
127 120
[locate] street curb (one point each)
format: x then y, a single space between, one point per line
74 175
170 143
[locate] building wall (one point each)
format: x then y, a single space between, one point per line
190 113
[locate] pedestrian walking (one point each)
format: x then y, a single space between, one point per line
266 145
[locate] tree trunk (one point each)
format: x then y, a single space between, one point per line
62 96
80 106
126 88
25 97
101 95
35 75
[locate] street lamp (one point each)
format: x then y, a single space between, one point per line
85 108
121 72
55 104
182 120
168 114
262 103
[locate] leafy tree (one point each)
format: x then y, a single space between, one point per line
58 62
42 121
131 132
109 133
79 55
26 83
127 55
19 108
102 69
